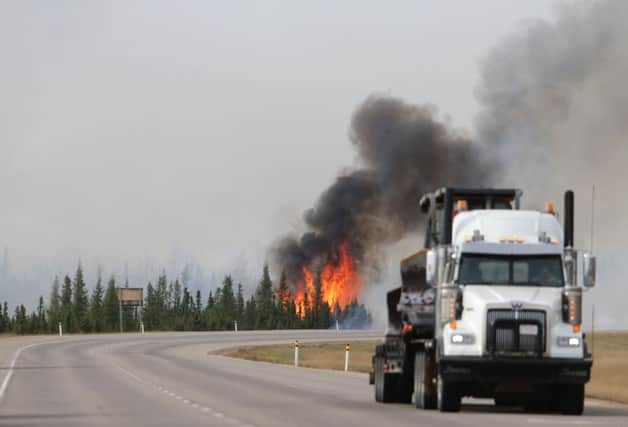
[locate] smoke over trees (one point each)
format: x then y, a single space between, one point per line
403 151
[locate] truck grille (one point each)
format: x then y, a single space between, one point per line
516 333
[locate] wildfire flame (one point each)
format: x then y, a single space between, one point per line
340 283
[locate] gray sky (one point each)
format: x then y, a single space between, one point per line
144 132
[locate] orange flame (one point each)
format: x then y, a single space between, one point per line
306 290
340 283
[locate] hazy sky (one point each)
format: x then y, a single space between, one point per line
149 130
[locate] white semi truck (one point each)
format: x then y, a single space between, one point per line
490 307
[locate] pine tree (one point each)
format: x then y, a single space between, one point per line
210 321
3 321
66 305
176 306
240 303
264 300
161 302
96 307
250 314
111 307
227 304
54 307
20 324
186 312
7 319
198 312
283 301
80 302
41 325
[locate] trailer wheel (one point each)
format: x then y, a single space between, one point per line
571 399
424 393
448 396
385 384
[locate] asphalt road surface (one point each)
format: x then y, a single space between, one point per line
168 379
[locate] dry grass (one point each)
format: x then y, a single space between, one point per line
324 356
609 379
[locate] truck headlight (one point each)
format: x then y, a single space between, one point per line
569 341
462 339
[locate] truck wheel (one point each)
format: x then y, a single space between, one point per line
419 378
385 384
448 396
424 392
404 389
571 399
500 401
377 380
537 406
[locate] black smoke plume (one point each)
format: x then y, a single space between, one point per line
403 151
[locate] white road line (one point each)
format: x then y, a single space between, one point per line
132 375
7 377
205 409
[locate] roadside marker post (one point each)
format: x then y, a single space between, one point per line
337 326
235 325
60 330
142 327
347 349
296 354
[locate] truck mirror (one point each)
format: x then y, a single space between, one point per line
588 271
431 268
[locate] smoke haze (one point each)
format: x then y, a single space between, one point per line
139 136
147 135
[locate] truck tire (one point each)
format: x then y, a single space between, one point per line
377 380
405 388
501 401
385 384
537 406
424 393
448 396
571 399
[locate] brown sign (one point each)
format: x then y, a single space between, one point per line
131 296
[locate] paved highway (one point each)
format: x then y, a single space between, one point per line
168 379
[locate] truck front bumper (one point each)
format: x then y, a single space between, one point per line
499 370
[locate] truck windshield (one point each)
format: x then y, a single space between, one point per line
517 270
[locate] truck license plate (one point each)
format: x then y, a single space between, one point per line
528 329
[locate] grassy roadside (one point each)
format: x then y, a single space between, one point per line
609 377
7 335
323 356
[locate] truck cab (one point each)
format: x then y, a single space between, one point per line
507 307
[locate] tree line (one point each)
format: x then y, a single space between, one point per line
170 306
